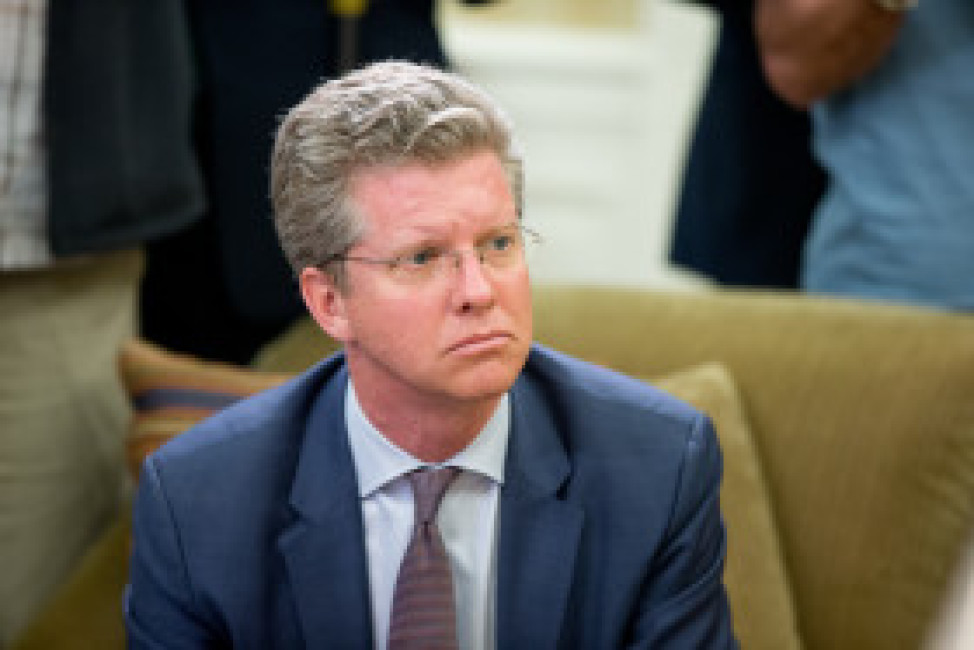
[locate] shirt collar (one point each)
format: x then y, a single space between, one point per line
378 461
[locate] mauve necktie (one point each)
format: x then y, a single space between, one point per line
423 611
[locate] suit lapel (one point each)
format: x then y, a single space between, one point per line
539 532
324 550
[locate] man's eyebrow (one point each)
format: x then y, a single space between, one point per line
438 235
511 225
422 239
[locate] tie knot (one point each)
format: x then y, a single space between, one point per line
429 485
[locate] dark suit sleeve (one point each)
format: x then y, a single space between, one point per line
160 611
684 604
751 182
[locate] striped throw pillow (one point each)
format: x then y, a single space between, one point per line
171 392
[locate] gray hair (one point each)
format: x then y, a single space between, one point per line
386 113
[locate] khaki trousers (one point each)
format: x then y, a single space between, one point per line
63 417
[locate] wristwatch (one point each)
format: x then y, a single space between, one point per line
897 5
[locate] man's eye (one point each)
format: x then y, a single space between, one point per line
421 257
501 242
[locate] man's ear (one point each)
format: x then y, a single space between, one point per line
325 302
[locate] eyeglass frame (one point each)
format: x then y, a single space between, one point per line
456 253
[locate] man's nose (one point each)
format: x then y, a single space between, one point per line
459 254
474 287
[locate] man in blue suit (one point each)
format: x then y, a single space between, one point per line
582 506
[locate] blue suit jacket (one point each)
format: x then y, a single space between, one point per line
248 529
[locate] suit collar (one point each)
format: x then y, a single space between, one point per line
540 532
324 549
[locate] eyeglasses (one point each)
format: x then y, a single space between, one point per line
498 251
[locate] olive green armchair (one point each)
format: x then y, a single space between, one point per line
847 431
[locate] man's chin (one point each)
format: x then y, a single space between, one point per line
486 380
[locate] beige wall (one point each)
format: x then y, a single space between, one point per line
603 95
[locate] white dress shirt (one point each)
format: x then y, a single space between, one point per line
468 519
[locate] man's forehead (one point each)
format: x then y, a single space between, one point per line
406 167
419 193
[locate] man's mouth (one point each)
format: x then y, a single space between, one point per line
480 343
